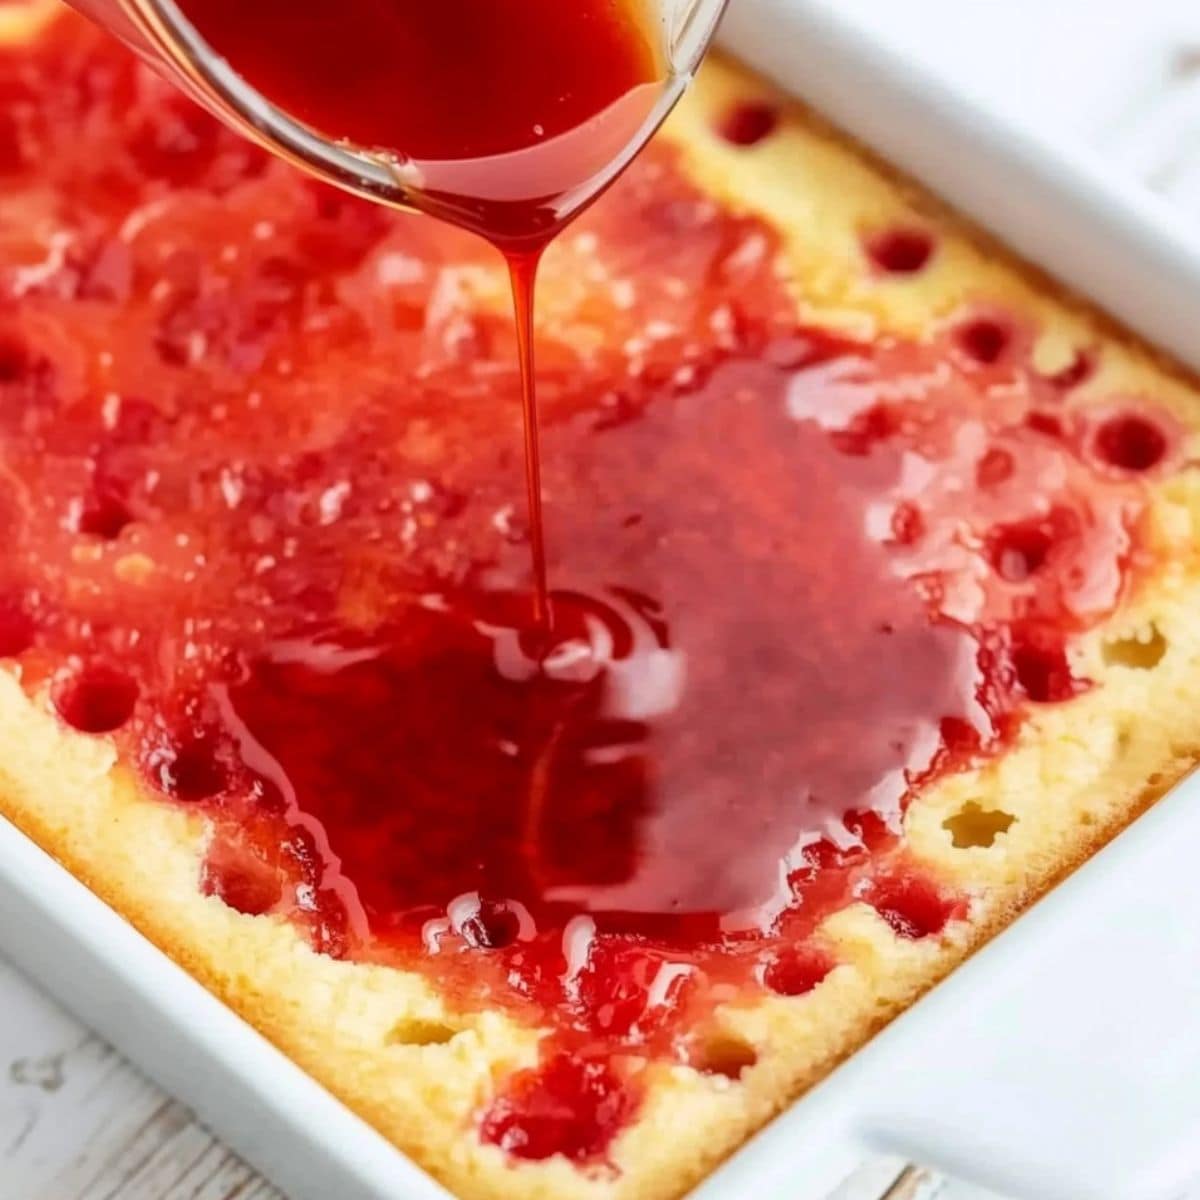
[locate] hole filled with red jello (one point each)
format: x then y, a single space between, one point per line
187 766
1043 671
900 251
795 972
95 698
912 906
1022 549
247 881
1019 550
570 1106
103 516
1131 442
768 542
749 122
985 340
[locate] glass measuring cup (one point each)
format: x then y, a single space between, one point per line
553 180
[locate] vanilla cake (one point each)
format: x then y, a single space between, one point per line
875 582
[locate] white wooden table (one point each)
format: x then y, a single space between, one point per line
78 1123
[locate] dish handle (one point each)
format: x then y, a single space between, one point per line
1063 1061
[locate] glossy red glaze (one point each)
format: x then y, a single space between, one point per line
787 587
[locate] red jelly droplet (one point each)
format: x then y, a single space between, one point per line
1131 443
748 123
984 340
900 251
569 1106
912 905
97 698
795 972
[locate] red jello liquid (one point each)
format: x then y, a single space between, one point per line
796 576
456 80
503 110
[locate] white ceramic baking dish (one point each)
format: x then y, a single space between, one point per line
1063 1061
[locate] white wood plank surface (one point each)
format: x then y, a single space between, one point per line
78 1123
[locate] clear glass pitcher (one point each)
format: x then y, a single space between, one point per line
160 33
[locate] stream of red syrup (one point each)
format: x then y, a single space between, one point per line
261 509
